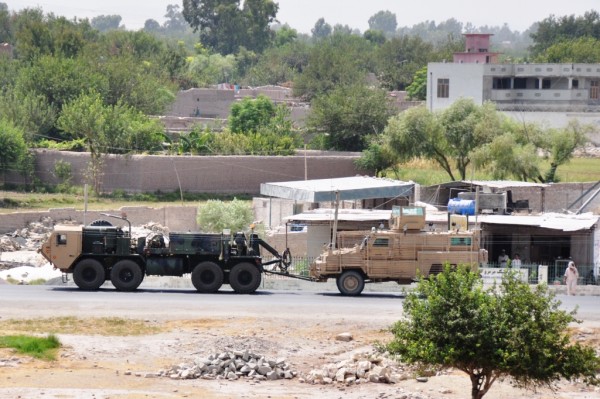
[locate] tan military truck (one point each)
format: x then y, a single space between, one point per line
400 254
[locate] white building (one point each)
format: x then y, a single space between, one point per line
550 94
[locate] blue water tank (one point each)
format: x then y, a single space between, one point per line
461 206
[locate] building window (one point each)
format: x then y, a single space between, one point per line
501 83
520 83
546 84
575 83
443 88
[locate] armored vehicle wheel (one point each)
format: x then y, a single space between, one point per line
89 274
207 277
126 275
244 278
350 283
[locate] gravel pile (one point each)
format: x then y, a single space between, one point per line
29 238
361 368
231 365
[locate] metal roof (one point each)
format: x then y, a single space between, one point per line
349 188
492 184
346 215
555 221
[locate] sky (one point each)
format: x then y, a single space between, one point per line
302 14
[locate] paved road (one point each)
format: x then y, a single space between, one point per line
163 304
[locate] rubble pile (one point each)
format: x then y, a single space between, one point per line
361 368
232 365
28 238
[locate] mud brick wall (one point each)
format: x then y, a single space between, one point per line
197 174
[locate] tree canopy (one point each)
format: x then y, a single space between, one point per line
465 134
507 331
553 29
384 21
350 115
225 27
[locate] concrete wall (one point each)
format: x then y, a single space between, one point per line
204 103
176 218
466 81
198 174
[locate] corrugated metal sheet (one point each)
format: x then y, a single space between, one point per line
555 221
349 188
349 215
500 184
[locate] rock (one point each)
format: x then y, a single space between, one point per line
232 365
422 379
345 337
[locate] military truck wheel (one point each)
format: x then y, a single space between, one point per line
350 283
207 277
244 278
89 274
126 275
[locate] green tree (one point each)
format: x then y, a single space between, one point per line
285 35
250 115
448 138
554 29
584 50
350 115
335 61
399 59
514 153
278 65
258 16
321 29
384 21
417 90
5 24
175 22
104 23
30 112
108 129
224 26
374 36
59 80
507 331
214 216
13 150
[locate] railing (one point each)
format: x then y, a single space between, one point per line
556 273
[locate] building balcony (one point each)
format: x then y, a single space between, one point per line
546 95
543 70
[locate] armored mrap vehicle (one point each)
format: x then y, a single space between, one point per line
97 253
401 254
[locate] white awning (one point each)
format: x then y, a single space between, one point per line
349 188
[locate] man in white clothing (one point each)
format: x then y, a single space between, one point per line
571 276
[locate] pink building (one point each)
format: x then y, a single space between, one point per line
477 50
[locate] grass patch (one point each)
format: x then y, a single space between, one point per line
108 326
427 173
18 200
40 348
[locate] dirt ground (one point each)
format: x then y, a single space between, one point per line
103 367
